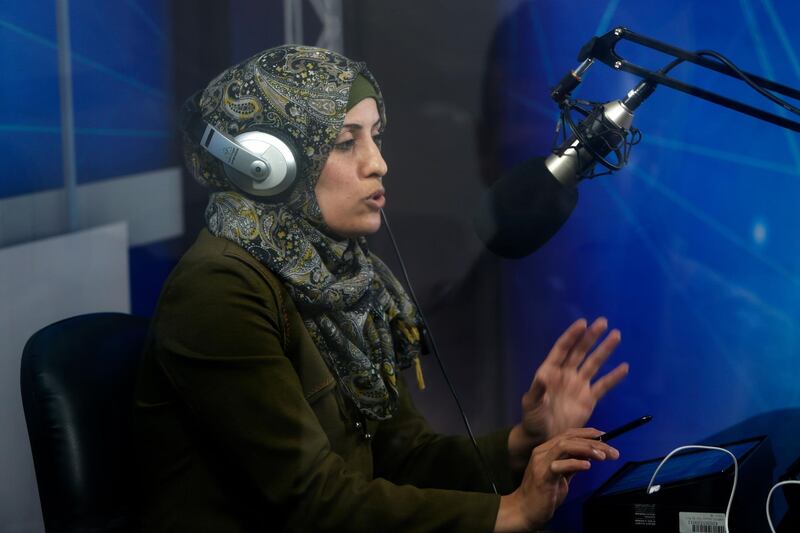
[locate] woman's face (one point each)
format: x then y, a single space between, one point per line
349 190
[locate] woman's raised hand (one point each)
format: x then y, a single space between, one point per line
563 394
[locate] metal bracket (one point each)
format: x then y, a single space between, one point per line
603 49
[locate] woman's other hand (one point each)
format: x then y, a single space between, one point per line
545 482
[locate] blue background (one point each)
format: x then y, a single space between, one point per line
121 54
122 103
29 107
692 249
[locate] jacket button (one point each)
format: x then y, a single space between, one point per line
367 436
358 425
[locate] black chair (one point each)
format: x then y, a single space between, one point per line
77 381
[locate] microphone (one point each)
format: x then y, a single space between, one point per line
525 208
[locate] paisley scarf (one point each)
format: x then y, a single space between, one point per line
357 313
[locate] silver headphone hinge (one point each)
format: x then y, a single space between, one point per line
259 170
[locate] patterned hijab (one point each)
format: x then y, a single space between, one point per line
355 310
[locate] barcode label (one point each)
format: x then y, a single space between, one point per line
707 528
701 522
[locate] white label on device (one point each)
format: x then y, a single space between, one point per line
701 522
644 514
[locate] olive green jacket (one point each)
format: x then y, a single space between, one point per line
241 426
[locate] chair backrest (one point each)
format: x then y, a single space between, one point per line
77 379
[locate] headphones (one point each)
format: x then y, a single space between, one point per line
259 163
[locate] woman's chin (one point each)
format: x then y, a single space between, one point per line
361 228
368 227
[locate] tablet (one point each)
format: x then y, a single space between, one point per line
682 467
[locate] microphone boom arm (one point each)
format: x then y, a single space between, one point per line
603 49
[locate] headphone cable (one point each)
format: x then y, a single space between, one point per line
427 333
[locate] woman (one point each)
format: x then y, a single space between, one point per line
269 395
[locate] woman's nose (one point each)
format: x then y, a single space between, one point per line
375 165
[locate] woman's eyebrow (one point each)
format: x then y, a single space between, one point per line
355 126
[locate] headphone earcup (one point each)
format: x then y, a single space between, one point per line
259 152
280 156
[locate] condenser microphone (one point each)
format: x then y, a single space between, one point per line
525 208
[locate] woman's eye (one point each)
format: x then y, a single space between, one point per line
378 139
344 146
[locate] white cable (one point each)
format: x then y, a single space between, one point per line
654 488
769 497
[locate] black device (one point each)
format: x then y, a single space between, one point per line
624 428
693 496
791 520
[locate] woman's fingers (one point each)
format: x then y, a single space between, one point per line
599 356
583 433
584 449
568 467
590 336
609 381
578 444
564 344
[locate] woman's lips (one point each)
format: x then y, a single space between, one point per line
377 199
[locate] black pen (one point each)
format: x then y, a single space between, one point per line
633 424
